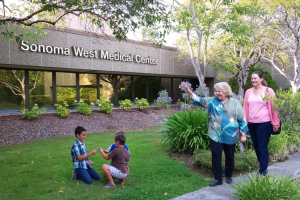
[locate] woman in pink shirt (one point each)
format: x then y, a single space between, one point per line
261 118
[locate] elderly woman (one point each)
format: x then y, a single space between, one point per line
226 126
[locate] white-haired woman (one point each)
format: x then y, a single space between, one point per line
226 126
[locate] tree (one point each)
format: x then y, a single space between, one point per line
15 81
121 16
198 20
236 49
117 81
267 77
282 49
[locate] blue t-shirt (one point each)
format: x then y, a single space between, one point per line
113 146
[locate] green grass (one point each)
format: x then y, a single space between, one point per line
42 170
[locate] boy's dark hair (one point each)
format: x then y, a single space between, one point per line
121 138
79 130
119 133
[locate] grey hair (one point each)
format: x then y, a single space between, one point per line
225 87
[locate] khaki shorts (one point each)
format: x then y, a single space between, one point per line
116 173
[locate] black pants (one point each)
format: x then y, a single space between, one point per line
216 151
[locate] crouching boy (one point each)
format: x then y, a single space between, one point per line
120 159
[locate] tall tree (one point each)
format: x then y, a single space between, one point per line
120 15
236 45
198 20
282 49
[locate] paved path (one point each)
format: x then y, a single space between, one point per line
225 191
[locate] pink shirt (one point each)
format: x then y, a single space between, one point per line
272 113
258 109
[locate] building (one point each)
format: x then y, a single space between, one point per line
73 66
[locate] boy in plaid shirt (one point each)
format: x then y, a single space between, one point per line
82 165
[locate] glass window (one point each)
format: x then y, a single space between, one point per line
66 87
166 85
113 83
41 88
12 95
177 91
88 87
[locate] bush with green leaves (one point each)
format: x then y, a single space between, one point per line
104 105
84 108
126 104
267 188
267 77
186 131
243 162
62 110
141 103
33 113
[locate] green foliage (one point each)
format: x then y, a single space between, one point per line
126 104
42 100
62 110
44 169
186 131
84 108
267 188
267 77
287 104
120 16
33 113
243 162
141 103
104 105
67 94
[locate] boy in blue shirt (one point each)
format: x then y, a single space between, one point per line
80 157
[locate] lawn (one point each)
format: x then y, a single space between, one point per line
42 170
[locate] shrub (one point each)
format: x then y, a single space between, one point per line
84 108
267 187
186 131
163 99
126 104
33 113
243 162
267 77
62 110
141 103
104 105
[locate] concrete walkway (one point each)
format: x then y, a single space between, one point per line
290 167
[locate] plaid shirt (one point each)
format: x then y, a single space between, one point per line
78 148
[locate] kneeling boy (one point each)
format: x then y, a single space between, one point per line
80 158
120 158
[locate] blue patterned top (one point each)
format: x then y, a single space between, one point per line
225 120
78 148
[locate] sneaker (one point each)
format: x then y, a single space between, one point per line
108 185
73 175
122 181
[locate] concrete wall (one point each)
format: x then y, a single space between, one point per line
11 56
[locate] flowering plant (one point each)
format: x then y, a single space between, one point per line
141 103
126 104
238 97
62 110
104 105
84 108
163 99
33 113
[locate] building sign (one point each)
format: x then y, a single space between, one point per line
81 52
